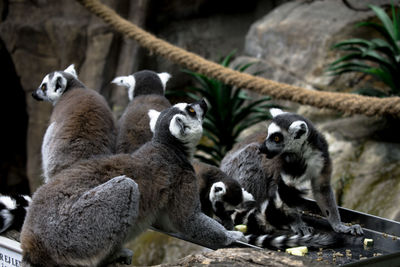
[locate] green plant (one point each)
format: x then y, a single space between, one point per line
230 112
384 54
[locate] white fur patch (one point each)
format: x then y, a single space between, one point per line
264 206
277 241
71 70
7 218
276 111
181 106
153 115
9 202
191 131
47 151
273 128
217 190
164 77
247 196
298 125
27 198
128 82
278 200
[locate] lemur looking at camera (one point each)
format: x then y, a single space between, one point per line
292 153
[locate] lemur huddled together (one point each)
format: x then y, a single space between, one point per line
105 182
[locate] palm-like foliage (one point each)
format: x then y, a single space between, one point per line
383 53
230 112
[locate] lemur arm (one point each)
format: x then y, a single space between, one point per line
186 216
326 201
223 216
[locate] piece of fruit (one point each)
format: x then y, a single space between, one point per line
297 251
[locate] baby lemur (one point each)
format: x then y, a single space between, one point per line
295 153
145 91
84 214
81 125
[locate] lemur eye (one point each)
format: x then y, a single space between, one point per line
191 110
277 139
43 88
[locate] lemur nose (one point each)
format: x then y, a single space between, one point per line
217 189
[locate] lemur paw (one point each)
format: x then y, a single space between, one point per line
354 229
236 236
124 256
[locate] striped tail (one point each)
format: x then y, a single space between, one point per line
281 241
12 211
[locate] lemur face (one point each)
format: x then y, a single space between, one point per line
143 82
183 121
53 85
228 195
286 133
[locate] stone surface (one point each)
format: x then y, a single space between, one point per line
244 257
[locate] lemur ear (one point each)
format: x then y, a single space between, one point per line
164 77
298 129
153 115
71 70
276 111
128 82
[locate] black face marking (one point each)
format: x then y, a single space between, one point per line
43 87
276 137
58 84
300 132
190 111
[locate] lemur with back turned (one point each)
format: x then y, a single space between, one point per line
81 125
83 215
296 153
145 91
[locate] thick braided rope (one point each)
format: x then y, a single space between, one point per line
343 102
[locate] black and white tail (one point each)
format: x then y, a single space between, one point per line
281 241
12 211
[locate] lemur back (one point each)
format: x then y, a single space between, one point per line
145 91
295 153
84 215
81 125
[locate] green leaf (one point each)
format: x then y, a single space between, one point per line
382 31
384 18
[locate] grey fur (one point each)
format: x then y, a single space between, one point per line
133 126
83 215
301 156
81 125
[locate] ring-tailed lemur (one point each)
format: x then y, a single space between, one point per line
295 153
81 125
12 211
145 91
220 195
84 215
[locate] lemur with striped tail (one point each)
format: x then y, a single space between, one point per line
291 154
83 216
81 125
